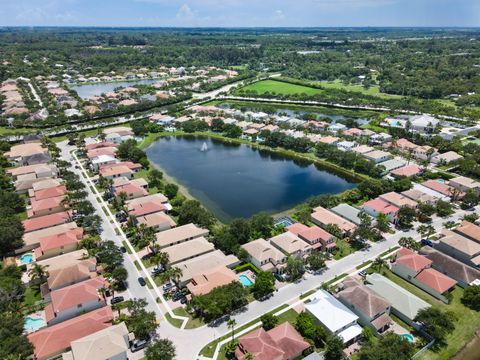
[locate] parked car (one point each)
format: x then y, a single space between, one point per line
116 300
167 286
178 295
122 249
142 281
138 345
426 242
157 270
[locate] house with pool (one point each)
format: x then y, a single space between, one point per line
265 256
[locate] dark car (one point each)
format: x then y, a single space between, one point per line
157 270
426 242
177 296
116 300
122 249
142 281
138 345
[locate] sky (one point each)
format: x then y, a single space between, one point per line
240 13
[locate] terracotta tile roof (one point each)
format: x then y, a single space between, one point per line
80 293
435 280
70 274
146 208
114 170
50 192
130 189
440 187
129 164
155 219
469 230
160 198
204 283
309 234
381 206
56 241
289 243
408 171
398 200
100 145
281 342
412 260
47 203
56 339
460 242
46 221
101 151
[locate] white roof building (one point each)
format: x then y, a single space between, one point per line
335 316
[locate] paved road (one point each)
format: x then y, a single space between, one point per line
188 343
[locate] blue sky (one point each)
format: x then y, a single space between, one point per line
244 13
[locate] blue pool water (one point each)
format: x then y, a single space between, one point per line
409 337
26 259
245 280
33 324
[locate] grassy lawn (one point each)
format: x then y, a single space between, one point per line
32 295
343 249
467 323
193 322
372 90
280 87
175 322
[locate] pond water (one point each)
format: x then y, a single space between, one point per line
234 180
88 90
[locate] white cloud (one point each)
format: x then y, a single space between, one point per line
185 13
279 15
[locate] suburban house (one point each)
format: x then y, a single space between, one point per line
323 217
372 309
112 172
179 235
315 236
119 134
392 164
265 256
378 206
67 259
132 189
32 239
377 156
398 200
204 263
291 244
102 160
459 247
348 212
363 149
100 144
330 140
441 187
18 152
39 158
334 316
423 123
282 342
103 151
54 340
70 274
111 343
36 171
159 221
346 145
404 145
463 274
424 152
202 284
43 222
469 230
463 184
58 244
46 206
420 196
431 192
157 198
407 171
47 193
42 184
446 158
71 301
379 138
404 304
188 250
417 270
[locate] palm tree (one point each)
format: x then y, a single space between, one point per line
103 291
379 263
231 325
426 230
37 272
160 258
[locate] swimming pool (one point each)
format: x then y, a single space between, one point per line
409 337
33 324
26 259
246 281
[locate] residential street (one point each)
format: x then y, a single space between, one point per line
182 338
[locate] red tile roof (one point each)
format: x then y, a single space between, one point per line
310 234
435 280
70 296
129 164
440 187
46 221
100 145
55 241
408 171
56 339
130 188
50 192
147 208
281 342
381 206
48 203
412 260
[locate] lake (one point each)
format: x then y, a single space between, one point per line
233 180
89 90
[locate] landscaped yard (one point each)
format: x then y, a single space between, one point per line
193 322
343 249
280 87
467 323
372 90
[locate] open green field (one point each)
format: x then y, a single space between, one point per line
372 90
281 88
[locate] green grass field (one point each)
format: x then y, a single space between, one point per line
280 87
372 90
